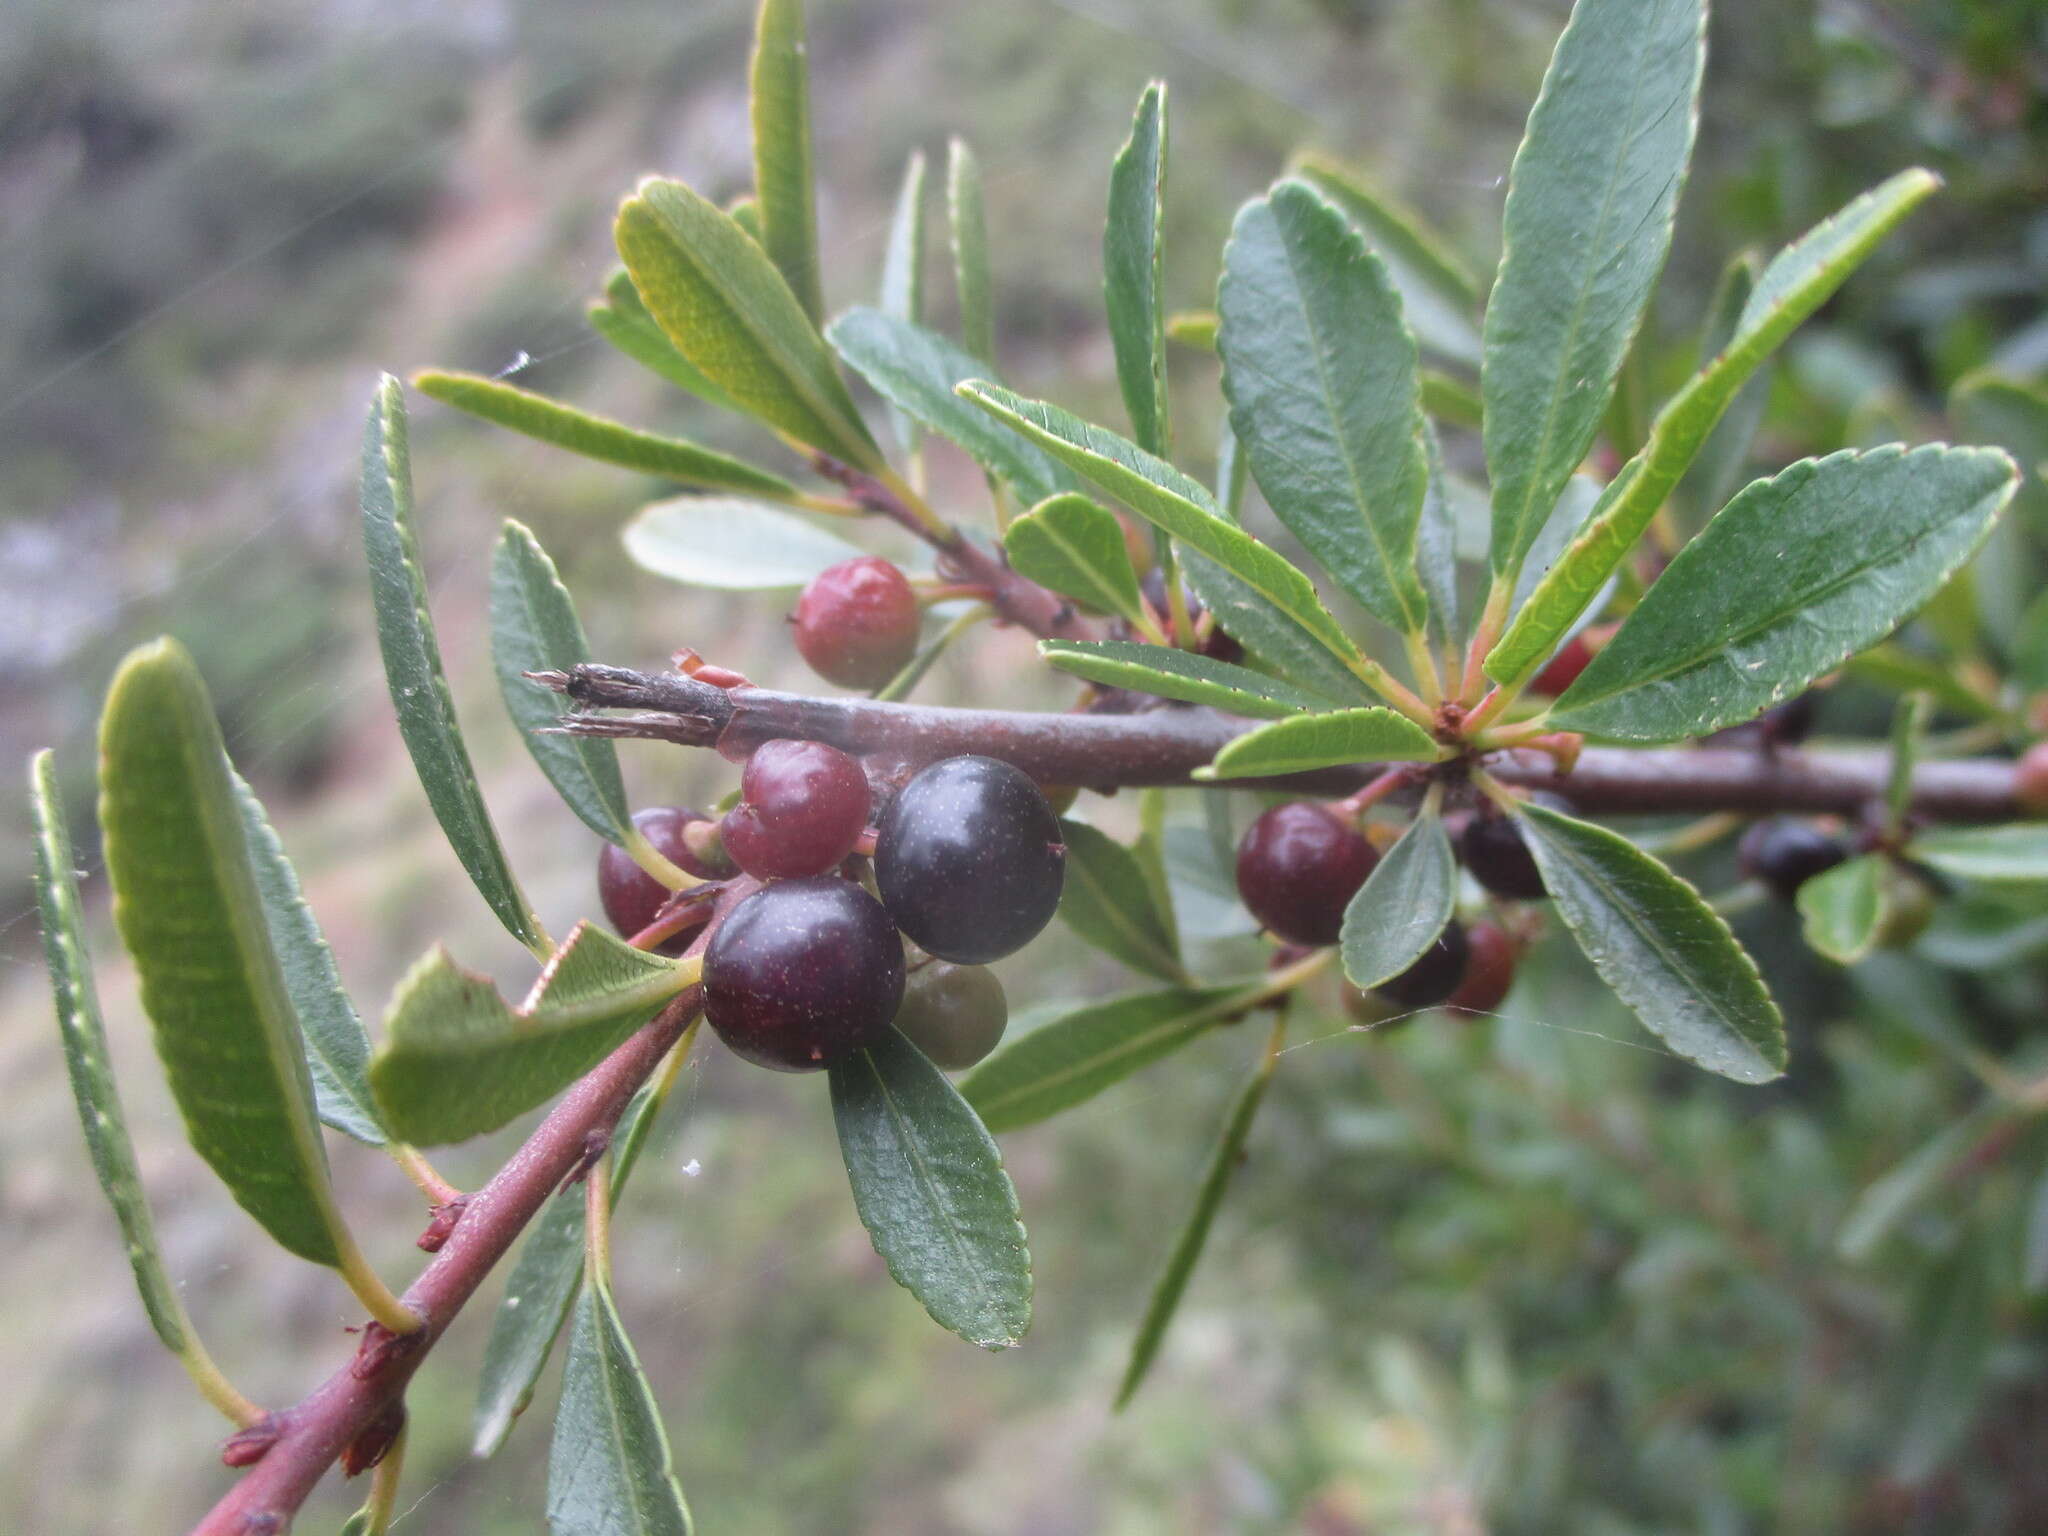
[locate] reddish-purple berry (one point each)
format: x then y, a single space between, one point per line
856 623
802 807
1298 866
630 896
1435 977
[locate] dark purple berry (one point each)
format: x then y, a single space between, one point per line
802 807
1433 978
969 859
630 896
955 1014
1298 866
856 623
1218 646
803 973
1491 846
1784 854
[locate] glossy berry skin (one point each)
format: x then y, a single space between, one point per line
2030 779
1492 847
1784 854
1433 978
630 896
969 859
1489 970
856 623
1298 866
803 973
802 807
955 1014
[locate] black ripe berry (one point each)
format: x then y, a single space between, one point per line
803 973
1492 847
1433 978
1785 854
802 807
969 859
955 1014
630 896
1298 866
856 623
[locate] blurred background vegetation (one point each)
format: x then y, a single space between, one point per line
1527 1275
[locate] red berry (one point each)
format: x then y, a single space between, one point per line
802 807
1433 978
630 896
2030 780
1785 854
1563 669
803 973
856 623
1489 970
1298 866
955 1014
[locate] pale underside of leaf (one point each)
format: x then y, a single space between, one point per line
1403 907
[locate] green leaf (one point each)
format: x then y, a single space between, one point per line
598 437
1909 726
716 541
1436 549
2007 573
621 319
1109 902
1276 640
610 1469
1438 294
1799 279
779 101
1842 907
967 227
1076 547
1320 373
534 628
2016 853
337 1049
543 1285
1881 1207
1796 574
1946 1343
1173 674
1168 499
1133 247
1194 1234
1589 208
718 297
1080 1053
190 911
1716 472
929 1184
86 1059
458 1061
1307 742
412 665
1403 907
916 371
1664 951
902 295
1897 670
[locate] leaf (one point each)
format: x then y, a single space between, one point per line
1938 1371
1276 640
1403 907
967 228
1436 548
1308 742
189 909
1664 951
1909 726
1881 1207
1795 574
929 1184
2008 414
412 665
1133 246
716 541
1174 674
1716 472
1109 902
534 628
621 319
1168 499
610 1469
1320 373
1842 907
2016 853
717 296
1194 1234
337 1049
1799 279
1438 295
1076 547
1590 202
458 1061
916 371
1080 1053
1897 670
598 437
86 1059
902 295
779 102
543 1285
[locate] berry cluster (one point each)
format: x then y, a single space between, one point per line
967 863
